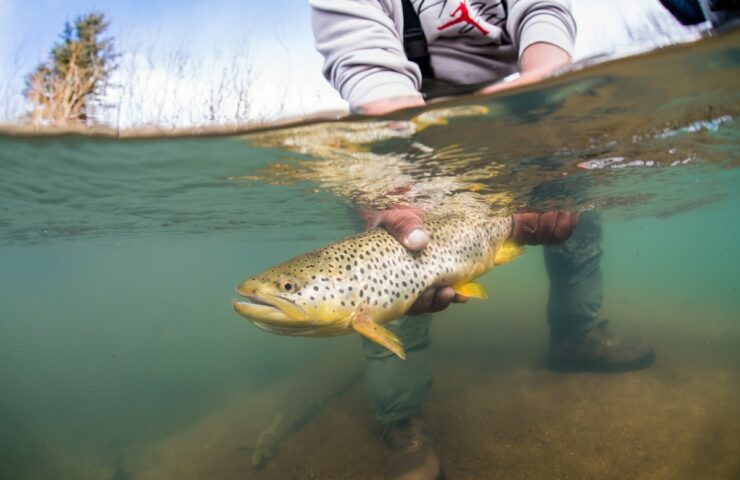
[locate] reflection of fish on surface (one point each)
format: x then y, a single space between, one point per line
361 282
321 138
343 162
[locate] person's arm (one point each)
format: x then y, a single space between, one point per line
365 62
363 54
537 61
544 33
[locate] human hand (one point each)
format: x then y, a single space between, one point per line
514 81
537 62
405 224
548 228
388 105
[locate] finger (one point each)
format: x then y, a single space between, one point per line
442 299
405 225
546 227
563 227
460 298
423 303
445 296
525 227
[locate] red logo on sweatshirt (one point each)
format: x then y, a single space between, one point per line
464 17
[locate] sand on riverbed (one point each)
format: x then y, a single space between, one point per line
496 412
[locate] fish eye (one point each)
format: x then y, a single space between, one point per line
288 284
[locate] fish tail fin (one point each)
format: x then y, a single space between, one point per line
366 326
508 251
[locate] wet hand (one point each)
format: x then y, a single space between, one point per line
435 300
405 224
546 228
537 62
388 105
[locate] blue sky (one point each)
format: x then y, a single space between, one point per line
38 22
276 33
34 25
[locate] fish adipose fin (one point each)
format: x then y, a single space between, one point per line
365 326
509 251
471 290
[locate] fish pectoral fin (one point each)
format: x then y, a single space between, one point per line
366 326
508 251
470 290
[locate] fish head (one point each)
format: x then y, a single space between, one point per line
294 298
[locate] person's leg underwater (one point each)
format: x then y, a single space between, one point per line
579 341
397 389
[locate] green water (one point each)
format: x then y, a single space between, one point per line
120 356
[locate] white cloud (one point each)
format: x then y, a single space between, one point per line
605 26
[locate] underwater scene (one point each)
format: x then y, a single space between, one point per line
122 358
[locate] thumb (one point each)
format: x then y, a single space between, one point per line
406 226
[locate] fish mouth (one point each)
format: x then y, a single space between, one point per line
268 308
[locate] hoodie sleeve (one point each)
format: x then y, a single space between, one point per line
548 21
363 50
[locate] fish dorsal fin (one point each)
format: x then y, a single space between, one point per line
471 290
508 251
368 328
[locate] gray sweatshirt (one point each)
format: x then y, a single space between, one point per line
470 42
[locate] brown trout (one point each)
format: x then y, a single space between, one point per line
361 282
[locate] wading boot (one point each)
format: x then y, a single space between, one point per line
411 456
597 350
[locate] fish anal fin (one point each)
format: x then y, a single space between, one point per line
508 251
366 326
471 290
